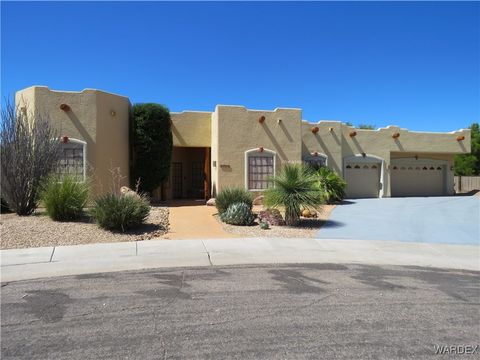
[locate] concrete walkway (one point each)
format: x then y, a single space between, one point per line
96 258
190 219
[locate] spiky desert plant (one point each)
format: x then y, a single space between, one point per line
294 188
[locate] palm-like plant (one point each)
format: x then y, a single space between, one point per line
330 185
294 188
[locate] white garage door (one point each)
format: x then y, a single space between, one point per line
414 179
363 179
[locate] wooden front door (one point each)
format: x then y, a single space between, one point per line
177 180
198 178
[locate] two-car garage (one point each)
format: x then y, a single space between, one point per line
408 177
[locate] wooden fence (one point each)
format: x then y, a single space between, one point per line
466 183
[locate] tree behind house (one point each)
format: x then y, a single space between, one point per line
469 164
30 150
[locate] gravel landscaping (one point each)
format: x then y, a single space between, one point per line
39 230
307 228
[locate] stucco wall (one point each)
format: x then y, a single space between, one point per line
89 119
191 128
102 120
239 130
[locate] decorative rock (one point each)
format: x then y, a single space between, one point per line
258 200
306 213
211 202
126 191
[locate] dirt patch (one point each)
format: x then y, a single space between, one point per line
307 228
39 230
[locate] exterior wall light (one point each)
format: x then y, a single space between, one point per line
353 133
460 138
330 129
261 119
260 149
279 121
395 135
65 107
364 155
113 113
64 139
315 153
315 129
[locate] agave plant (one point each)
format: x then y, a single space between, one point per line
295 187
330 184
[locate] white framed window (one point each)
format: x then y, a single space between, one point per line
73 156
316 160
260 165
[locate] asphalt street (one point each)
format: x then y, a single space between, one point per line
305 311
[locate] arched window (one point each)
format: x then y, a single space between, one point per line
73 155
315 160
259 167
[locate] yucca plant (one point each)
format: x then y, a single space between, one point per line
330 184
294 188
64 198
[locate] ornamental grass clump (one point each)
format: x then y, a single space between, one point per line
64 198
120 212
294 188
238 214
233 195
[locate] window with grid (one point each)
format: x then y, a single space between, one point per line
316 162
260 169
72 160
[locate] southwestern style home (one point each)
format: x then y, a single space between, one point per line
235 146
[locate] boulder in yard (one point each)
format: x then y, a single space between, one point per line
211 202
258 200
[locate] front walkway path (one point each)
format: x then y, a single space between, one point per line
97 258
190 219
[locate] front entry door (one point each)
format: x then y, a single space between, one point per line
177 180
198 178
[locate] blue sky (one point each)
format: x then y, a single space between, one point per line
410 64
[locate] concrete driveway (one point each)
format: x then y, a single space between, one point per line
454 220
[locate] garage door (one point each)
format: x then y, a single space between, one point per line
363 179
414 179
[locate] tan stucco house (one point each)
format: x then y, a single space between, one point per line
235 146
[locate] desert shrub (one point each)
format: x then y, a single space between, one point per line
238 214
272 217
331 185
64 198
229 196
151 139
29 153
120 212
294 188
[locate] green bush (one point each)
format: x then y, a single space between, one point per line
238 214
331 185
294 188
229 196
64 198
151 138
120 212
